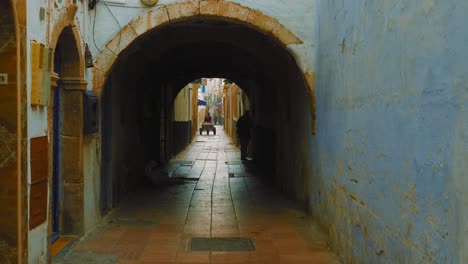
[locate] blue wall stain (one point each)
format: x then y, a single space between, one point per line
392 90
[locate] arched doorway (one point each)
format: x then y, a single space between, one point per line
66 115
152 68
10 134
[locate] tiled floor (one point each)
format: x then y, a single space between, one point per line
155 224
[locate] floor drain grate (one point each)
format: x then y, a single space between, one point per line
86 257
225 244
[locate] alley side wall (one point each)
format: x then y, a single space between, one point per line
391 147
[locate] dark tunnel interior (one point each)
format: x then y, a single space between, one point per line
137 102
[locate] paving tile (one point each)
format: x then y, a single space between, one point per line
193 257
213 206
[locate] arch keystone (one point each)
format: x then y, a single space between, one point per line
150 20
233 10
183 9
209 7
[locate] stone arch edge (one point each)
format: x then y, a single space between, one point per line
72 149
66 18
167 14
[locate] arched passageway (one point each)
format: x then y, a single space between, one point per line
138 95
10 182
211 192
66 142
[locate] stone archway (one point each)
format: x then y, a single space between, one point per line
181 11
65 19
67 86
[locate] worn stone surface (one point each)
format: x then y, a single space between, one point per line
150 20
158 223
225 244
209 7
285 36
126 36
72 218
72 160
262 21
232 10
185 10
182 10
98 81
61 22
72 113
105 59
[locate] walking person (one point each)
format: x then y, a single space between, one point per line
244 124
208 117
216 118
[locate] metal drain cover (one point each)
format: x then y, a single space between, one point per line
221 244
86 257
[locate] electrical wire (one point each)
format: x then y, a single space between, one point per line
116 20
94 26
136 7
120 27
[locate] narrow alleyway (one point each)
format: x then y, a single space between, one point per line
212 194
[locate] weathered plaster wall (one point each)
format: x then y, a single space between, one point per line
182 105
182 124
299 18
92 182
37 248
390 156
37 126
42 30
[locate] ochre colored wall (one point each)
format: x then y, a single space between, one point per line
9 136
194 111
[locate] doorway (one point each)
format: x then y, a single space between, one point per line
56 152
56 168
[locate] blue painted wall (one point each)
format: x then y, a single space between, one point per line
391 151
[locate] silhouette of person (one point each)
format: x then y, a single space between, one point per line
208 118
244 124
